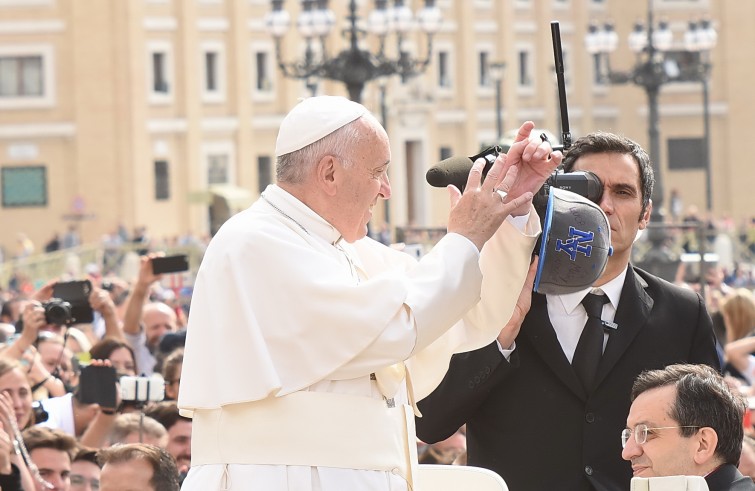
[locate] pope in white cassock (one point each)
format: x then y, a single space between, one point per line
309 343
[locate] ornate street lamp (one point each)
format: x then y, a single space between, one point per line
658 64
700 39
354 66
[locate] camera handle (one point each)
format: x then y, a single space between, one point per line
140 406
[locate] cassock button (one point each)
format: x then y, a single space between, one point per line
590 417
588 470
394 470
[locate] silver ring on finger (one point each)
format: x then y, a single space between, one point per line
502 194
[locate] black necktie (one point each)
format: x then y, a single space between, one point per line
590 345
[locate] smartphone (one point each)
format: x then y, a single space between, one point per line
170 264
142 389
97 385
77 294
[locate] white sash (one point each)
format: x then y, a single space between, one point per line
315 429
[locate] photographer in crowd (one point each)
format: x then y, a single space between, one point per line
145 322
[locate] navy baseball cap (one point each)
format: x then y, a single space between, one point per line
575 244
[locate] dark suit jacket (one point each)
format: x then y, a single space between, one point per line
728 478
529 418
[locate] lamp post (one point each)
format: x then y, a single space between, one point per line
354 66
657 64
496 73
700 39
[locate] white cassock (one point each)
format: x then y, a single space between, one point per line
287 326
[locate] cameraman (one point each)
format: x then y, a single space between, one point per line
529 416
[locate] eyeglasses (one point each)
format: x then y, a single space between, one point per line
641 433
79 480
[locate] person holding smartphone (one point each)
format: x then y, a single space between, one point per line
90 411
144 322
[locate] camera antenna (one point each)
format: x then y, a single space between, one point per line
558 58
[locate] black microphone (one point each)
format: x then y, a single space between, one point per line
455 170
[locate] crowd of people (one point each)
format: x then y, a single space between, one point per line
54 434
304 330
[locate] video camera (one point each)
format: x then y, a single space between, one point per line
575 244
142 389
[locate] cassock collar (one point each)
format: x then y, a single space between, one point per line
570 301
303 215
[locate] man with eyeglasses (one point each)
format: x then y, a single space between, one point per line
526 387
685 420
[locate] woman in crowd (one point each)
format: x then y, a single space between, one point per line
14 384
119 353
738 310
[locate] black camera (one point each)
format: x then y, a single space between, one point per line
583 183
58 311
40 415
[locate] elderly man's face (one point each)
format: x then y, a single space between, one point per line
666 452
363 183
157 322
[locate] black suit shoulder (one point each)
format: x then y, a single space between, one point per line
728 478
656 285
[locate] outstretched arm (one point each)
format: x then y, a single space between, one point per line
133 316
101 301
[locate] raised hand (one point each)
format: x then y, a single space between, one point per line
33 318
146 276
480 210
6 450
535 160
101 301
45 293
510 331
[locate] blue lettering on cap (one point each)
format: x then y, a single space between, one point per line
577 243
